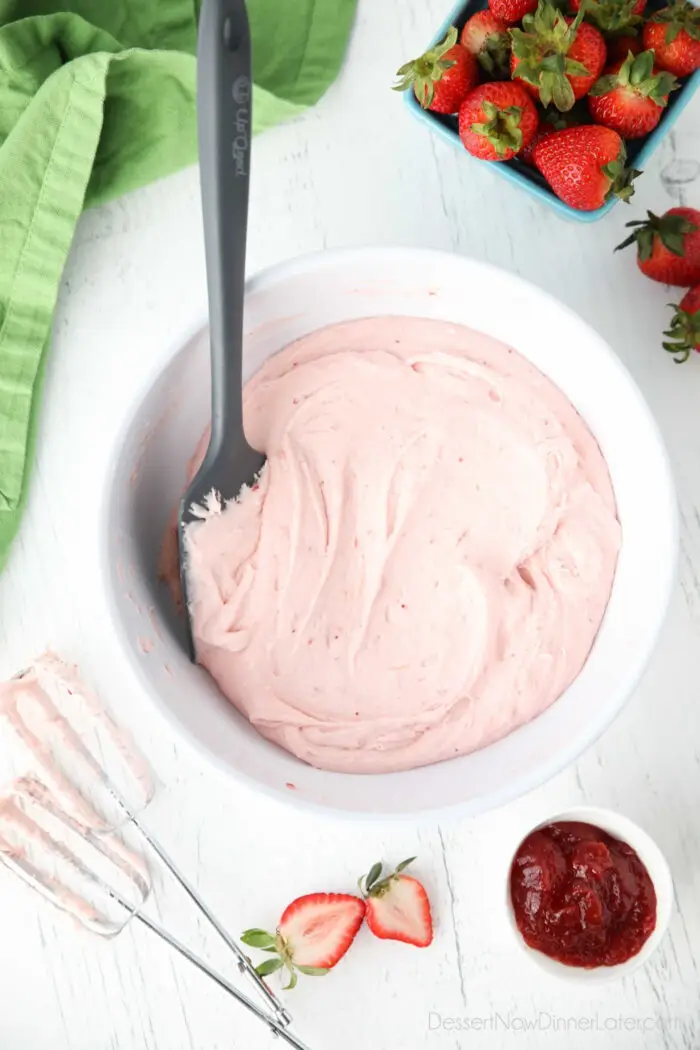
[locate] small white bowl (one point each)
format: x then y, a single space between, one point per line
147 475
652 858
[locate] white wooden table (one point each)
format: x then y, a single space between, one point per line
356 170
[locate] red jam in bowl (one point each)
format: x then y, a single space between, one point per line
581 896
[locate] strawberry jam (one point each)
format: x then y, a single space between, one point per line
581 896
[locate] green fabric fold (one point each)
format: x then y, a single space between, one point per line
97 97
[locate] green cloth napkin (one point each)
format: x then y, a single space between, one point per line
98 97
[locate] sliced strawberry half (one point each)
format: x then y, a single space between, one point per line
397 906
314 933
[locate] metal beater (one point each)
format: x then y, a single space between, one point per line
62 827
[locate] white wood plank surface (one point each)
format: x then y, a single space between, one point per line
356 170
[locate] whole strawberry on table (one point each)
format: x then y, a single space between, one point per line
668 246
668 251
516 76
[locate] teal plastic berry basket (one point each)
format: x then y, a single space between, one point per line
528 178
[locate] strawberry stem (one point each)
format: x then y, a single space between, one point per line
683 334
422 73
621 180
679 16
637 72
671 229
372 885
292 983
612 16
541 48
501 128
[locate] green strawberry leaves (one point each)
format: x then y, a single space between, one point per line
555 88
422 73
670 229
636 69
542 47
373 885
679 16
683 334
502 128
495 55
267 942
269 966
637 73
370 878
621 179
604 85
612 16
258 939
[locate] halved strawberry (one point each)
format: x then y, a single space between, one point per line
314 933
397 906
684 332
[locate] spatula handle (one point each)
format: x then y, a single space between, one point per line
224 116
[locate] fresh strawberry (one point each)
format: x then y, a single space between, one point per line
397 905
684 333
610 16
497 120
557 58
488 41
668 247
631 95
673 34
313 934
552 120
441 78
511 11
589 50
619 47
584 166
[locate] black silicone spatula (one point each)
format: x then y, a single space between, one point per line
224 112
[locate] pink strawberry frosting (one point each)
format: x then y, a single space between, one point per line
427 557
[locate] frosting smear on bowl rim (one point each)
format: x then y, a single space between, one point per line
426 559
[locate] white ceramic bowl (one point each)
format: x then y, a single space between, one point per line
147 476
652 858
